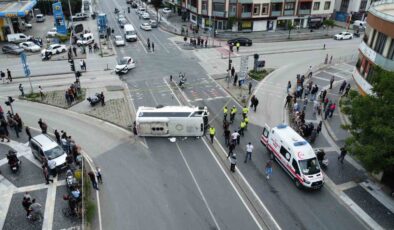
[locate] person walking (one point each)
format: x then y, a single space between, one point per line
288 87
9 75
26 205
242 128
256 103
332 81
21 89
347 90
212 132
225 112
81 64
249 150
43 126
238 45
232 113
245 111
153 47
35 211
2 75
75 51
28 133
57 136
99 176
93 180
268 169
227 137
323 95
234 137
232 71
233 162
45 171
318 129
246 120
102 97
332 109
342 155
342 88
235 80
288 100
84 65
231 148
148 43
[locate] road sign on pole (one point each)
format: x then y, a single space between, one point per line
26 69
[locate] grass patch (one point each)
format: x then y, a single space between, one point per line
90 206
259 74
55 98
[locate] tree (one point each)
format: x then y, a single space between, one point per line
156 4
372 123
290 27
329 23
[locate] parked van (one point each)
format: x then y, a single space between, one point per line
86 39
18 38
45 148
129 33
294 154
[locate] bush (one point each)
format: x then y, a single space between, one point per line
259 74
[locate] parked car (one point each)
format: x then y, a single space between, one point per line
86 39
55 49
45 148
141 10
27 25
153 23
145 16
119 41
30 46
17 38
242 41
167 10
11 49
145 26
125 64
40 18
343 36
52 32
122 22
80 17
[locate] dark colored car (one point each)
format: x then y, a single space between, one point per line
242 41
11 49
134 5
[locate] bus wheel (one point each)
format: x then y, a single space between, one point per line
297 183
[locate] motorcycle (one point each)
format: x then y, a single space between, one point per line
182 81
320 154
71 181
13 161
94 100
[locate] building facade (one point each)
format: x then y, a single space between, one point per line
377 47
254 15
12 14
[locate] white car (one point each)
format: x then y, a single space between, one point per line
166 10
119 40
30 46
145 16
343 36
121 17
141 10
125 64
146 26
86 39
52 32
55 49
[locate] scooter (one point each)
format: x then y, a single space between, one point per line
320 154
182 81
94 100
13 161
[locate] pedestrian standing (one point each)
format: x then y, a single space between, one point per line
332 109
57 136
75 51
238 45
212 132
43 126
347 90
245 111
36 210
233 162
148 43
305 104
102 97
288 87
316 106
231 148
327 112
242 128
26 205
153 47
90 48
42 95
232 71
232 113
27 129
21 89
342 155
234 137
323 95
93 180
249 150
268 169
99 175
12 123
310 72
81 64
246 120
227 137
2 74
171 78
342 88
84 65
318 129
225 112
9 75
46 174
235 79
332 81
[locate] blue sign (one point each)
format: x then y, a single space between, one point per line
102 22
59 18
25 65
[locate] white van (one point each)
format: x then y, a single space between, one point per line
45 148
294 154
129 33
18 38
86 39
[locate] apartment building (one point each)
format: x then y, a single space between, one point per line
255 15
377 47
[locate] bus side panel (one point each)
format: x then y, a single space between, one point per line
186 127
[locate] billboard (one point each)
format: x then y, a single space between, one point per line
58 15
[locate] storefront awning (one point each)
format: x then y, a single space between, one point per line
16 9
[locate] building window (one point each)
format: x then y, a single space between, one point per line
372 38
316 5
390 54
344 5
256 9
194 3
327 5
246 8
289 6
204 5
218 6
276 7
264 9
380 43
363 5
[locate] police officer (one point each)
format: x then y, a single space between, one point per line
225 111
232 113
242 128
245 111
246 120
212 133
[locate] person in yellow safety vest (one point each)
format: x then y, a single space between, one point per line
241 130
245 111
238 45
246 120
232 113
212 133
225 111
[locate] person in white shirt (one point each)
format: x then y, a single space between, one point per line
234 137
249 150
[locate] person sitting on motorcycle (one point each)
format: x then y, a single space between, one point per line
12 158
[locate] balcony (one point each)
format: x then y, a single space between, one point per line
376 58
276 1
246 14
245 1
232 13
204 12
218 13
192 8
304 12
288 13
276 13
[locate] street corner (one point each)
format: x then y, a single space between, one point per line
27 175
341 173
16 215
61 218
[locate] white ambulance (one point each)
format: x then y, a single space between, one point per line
294 154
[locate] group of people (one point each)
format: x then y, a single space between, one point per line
33 209
73 92
3 77
12 121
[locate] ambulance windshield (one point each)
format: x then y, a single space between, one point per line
309 166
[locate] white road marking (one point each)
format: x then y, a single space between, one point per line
198 188
161 43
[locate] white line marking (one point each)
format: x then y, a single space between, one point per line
158 40
198 187
172 91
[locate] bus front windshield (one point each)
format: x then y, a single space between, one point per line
309 166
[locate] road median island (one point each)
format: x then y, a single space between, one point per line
55 98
